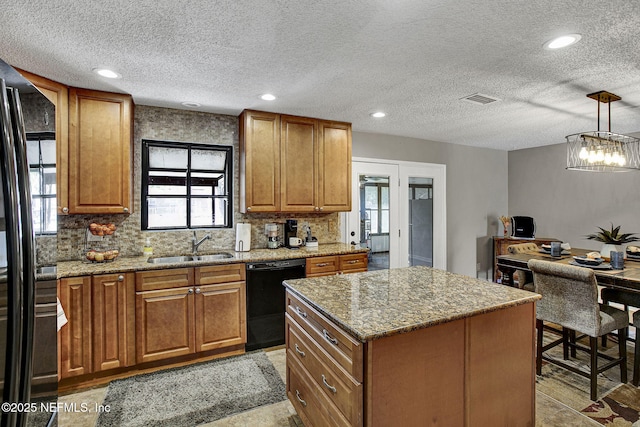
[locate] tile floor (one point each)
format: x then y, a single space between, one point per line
549 412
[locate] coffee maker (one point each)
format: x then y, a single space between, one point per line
290 230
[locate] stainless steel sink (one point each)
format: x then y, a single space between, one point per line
213 257
189 258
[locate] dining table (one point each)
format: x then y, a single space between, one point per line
627 278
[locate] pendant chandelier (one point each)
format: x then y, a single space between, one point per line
603 151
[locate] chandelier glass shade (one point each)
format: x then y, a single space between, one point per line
602 151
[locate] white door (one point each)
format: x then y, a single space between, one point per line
423 228
398 212
373 220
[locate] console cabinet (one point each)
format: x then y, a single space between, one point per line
500 245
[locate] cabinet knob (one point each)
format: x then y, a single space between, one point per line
353 233
190 291
353 243
316 208
126 210
249 209
65 210
198 290
321 208
121 278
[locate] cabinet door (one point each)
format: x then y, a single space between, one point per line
259 162
113 321
164 324
334 166
99 152
58 95
75 336
298 164
221 316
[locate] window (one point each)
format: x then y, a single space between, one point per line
186 185
41 155
376 203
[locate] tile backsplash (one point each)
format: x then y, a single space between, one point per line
163 124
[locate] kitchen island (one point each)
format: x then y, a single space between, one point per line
410 346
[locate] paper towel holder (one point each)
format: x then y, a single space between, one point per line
243 237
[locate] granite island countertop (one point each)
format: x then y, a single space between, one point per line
129 264
381 303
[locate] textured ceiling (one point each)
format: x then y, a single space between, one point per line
342 60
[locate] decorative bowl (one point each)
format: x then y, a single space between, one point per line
588 261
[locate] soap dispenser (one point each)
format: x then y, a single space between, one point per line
147 250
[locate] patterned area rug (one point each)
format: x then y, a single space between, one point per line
618 404
194 394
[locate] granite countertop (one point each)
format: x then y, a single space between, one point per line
381 303
127 264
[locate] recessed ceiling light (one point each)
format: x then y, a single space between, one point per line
191 104
268 97
562 41
105 72
378 114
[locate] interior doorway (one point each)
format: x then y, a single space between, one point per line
398 212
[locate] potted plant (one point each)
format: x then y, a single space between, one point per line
612 239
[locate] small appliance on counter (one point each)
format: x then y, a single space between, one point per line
310 241
243 237
271 230
523 227
290 230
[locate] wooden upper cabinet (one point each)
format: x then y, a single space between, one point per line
334 171
259 162
298 164
294 164
58 95
100 127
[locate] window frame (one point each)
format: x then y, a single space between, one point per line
43 136
188 197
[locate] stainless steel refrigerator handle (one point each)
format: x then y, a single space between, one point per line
11 390
28 245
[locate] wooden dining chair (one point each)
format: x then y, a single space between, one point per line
524 278
625 298
570 300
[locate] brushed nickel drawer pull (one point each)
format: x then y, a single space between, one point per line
330 387
300 352
329 338
355 261
300 312
304 403
322 264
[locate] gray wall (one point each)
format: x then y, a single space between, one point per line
570 204
476 192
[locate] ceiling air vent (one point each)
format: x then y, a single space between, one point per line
478 98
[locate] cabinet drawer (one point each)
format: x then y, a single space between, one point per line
338 386
354 262
213 274
163 279
322 265
309 402
344 349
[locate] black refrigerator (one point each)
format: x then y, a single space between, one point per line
17 262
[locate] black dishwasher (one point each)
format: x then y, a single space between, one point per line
266 301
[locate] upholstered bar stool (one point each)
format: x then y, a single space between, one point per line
570 299
524 278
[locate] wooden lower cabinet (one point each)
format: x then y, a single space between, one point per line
207 312
474 371
75 336
336 264
113 321
99 334
221 312
165 322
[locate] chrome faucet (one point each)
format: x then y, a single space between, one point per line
195 243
